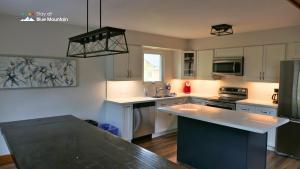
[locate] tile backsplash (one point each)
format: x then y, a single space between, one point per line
257 90
203 87
124 89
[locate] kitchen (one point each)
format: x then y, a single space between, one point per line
112 89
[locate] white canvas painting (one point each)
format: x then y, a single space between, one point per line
31 72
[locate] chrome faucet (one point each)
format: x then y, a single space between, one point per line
157 90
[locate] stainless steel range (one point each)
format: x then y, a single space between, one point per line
228 96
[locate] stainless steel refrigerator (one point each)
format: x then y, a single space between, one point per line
288 136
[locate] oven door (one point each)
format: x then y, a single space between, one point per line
228 66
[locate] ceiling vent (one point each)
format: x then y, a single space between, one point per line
221 30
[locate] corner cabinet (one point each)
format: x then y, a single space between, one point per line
189 63
127 66
262 63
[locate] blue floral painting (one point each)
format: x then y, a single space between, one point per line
32 72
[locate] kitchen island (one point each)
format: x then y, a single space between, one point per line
214 138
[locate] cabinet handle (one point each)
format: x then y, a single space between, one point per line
259 75
128 74
263 75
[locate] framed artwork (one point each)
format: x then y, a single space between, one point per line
37 72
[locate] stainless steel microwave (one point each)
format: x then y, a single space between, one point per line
228 66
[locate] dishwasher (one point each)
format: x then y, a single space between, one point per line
143 119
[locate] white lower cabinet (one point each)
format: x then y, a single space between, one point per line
261 110
120 116
165 122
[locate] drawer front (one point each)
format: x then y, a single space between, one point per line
246 108
266 110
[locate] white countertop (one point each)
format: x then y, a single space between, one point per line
265 103
132 100
252 122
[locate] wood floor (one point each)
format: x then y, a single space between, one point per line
166 146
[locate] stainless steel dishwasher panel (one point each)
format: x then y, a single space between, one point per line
143 119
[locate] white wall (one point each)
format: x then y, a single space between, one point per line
50 40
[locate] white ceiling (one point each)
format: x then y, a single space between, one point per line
178 18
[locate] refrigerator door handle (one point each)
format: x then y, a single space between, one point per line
298 94
295 121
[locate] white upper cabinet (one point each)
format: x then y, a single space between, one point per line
177 64
127 66
189 64
293 50
185 64
253 58
204 64
273 54
120 67
262 63
136 63
229 52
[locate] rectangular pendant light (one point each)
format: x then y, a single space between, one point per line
100 42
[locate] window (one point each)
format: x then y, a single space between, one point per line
152 67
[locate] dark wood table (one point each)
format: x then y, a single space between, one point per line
67 142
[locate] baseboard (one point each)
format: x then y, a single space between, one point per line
163 133
6 159
270 148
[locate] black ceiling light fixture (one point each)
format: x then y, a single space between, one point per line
221 30
100 42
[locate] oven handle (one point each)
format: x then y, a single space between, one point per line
233 69
217 106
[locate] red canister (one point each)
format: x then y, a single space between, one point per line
187 87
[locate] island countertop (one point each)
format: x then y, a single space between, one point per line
252 122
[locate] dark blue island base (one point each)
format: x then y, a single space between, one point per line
206 145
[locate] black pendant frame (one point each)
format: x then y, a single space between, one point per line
221 30
100 42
